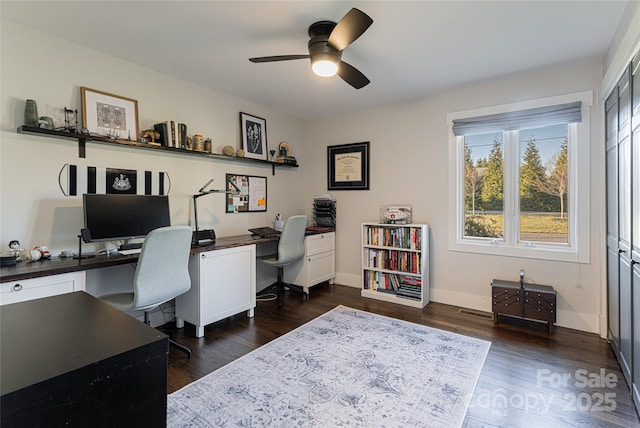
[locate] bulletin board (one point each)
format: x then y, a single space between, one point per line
246 193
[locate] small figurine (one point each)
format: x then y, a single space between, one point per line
44 251
14 245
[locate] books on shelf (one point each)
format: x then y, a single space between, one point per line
161 128
394 260
289 160
400 285
399 237
395 263
172 134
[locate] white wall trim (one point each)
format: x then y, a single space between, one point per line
579 189
347 279
569 319
629 45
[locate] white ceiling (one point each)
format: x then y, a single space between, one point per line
412 50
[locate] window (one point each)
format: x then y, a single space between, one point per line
520 176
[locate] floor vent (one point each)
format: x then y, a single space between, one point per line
484 315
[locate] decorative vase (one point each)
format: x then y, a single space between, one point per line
31 113
197 143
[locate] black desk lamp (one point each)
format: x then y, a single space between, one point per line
201 237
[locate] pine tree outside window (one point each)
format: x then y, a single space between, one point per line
520 177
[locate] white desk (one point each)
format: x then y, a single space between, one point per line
223 283
223 276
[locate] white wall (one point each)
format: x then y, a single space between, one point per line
409 165
51 71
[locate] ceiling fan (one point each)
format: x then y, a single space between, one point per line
326 44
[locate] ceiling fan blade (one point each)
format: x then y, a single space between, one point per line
350 27
352 75
277 58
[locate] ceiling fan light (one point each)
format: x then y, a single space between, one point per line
325 68
325 65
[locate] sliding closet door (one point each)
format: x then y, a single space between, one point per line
635 223
624 223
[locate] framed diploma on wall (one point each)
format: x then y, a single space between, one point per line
348 166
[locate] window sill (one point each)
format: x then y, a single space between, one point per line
520 251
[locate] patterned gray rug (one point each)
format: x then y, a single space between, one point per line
344 368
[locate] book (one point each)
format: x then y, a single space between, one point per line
290 160
161 128
181 133
172 131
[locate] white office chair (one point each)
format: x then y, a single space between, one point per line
162 273
290 249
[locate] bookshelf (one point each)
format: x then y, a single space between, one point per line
395 263
83 139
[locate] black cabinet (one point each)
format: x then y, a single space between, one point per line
73 360
531 301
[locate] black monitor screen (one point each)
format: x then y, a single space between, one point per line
122 217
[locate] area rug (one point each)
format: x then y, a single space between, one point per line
345 368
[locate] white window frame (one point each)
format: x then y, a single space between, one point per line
579 147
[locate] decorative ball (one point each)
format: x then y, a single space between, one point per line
228 151
240 153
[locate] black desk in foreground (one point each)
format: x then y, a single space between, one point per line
72 360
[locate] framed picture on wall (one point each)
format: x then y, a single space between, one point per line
348 166
246 193
110 115
253 131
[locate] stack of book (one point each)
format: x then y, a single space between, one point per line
289 160
411 287
172 134
401 285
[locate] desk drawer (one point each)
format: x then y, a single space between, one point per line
36 288
322 267
316 244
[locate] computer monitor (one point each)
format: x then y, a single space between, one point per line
124 217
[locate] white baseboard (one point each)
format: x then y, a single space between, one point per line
347 279
578 321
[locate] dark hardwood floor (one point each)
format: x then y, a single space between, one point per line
529 379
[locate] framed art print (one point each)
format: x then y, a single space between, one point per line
109 115
253 131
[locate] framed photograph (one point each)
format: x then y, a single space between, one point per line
254 136
348 166
246 193
109 115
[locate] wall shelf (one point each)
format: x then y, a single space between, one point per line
83 139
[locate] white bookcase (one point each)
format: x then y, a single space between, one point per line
395 263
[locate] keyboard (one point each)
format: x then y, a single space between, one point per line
129 252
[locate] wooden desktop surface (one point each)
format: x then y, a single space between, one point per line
55 265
